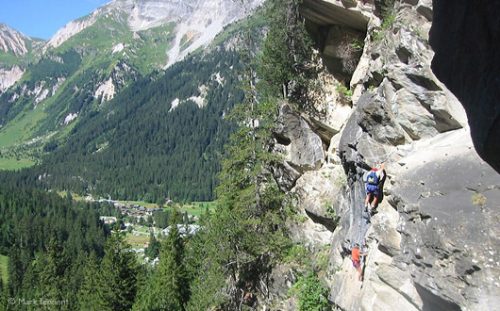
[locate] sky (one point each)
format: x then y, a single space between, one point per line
42 18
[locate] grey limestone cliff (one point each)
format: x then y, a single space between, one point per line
433 243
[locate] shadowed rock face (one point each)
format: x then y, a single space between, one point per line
323 12
335 39
466 38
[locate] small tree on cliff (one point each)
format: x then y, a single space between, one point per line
245 234
284 63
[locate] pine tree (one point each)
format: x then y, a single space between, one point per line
88 298
244 235
118 275
3 296
52 275
153 248
285 54
169 287
16 271
46 278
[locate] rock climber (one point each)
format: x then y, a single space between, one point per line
356 260
373 180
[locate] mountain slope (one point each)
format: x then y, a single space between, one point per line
17 51
92 59
16 48
162 135
157 137
146 29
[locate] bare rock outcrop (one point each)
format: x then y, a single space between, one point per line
70 29
9 77
12 41
447 200
348 13
335 40
302 146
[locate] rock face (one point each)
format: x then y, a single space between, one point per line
71 29
339 53
348 13
9 76
304 146
433 243
19 50
465 36
13 41
106 90
449 225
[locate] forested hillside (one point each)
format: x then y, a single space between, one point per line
47 240
46 72
161 136
134 137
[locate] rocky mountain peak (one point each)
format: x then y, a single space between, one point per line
146 14
23 48
197 22
13 41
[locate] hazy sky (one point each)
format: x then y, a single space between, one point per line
42 18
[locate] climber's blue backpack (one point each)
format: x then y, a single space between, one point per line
372 178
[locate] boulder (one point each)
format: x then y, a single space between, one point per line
424 7
285 175
377 119
325 131
302 146
307 232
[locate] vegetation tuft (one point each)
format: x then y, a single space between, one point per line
311 293
344 91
